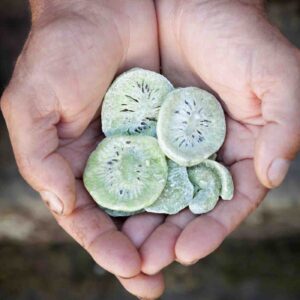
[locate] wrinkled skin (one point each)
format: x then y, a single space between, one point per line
51 107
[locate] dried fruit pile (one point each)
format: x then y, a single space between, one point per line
158 154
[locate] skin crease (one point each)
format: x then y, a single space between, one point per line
71 56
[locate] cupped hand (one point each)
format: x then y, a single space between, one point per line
52 110
52 107
229 48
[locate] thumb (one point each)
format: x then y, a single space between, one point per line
34 138
279 140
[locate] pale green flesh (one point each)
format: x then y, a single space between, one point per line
132 103
225 177
177 193
126 173
191 126
207 187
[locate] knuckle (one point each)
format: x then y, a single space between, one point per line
6 102
26 168
11 97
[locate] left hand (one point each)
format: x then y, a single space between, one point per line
52 111
229 48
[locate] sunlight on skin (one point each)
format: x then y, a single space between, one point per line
180 236
69 60
188 60
145 287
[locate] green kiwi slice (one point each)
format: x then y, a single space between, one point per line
132 103
207 189
126 173
191 126
225 177
177 193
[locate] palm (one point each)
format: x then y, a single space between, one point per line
192 54
225 60
79 135
69 62
63 73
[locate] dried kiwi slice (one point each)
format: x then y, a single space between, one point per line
225 177
207 189
177 193
132 103
126 173
191 126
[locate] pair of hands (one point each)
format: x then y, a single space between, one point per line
52 110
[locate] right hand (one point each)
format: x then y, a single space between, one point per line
52 106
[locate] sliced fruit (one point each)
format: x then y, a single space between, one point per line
225 177
191 126
132 103
207 189
126 173
177 193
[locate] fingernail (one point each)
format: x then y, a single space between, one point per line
53 202
193 262
189 263
278 171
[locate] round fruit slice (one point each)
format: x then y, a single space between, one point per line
126 173
132 103
207 186
225 177
191 126
177 193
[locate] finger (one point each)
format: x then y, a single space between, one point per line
32 124
158 251
239 143
276 147
144 286
46 102
144 55
204 234
77 151
95 231
163 254
34 139
139 227
279 141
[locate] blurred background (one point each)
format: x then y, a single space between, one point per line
260 260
